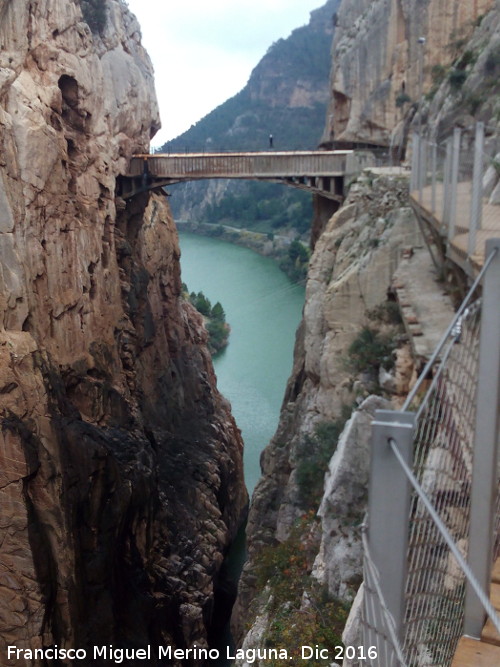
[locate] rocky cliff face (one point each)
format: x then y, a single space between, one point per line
349 275
380 69
120 476
379 72
469 90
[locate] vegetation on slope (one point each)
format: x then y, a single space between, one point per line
215 319
95 14
286 96
302 611
262 207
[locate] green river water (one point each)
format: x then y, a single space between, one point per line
263 308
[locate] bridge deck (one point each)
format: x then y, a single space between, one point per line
322 172
278 164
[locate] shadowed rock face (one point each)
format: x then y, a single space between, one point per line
121 480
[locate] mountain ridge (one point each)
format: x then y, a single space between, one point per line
286 96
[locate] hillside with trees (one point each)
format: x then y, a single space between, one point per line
286 97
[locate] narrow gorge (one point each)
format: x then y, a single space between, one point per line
121 465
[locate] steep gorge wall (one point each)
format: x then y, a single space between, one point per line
349 275
121 479
377 57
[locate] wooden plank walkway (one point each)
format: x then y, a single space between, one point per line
458 247
484 652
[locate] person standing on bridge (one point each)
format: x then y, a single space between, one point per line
270 141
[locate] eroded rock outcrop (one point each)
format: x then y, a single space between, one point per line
349 275
121 476
469 91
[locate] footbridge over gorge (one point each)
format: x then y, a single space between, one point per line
320 172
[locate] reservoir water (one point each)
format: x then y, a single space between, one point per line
263 308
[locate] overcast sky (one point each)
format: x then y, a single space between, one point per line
204 50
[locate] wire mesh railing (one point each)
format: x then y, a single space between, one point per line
458 181
443 466
434 509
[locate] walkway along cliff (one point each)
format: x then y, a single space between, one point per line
371 264
121 481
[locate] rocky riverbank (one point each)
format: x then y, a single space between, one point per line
291 255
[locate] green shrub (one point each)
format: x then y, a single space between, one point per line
474 102
201 303
370 350
217 313
456 78
215 319
218 333
402 99
468 57
387 312
298 252
319 624
95 14
314 454
286 568
492 62
438 74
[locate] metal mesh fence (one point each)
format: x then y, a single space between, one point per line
379 630
434 170
491 179
437 458
458 181
443 465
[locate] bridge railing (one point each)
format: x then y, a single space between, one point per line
433 528
250 165
458 182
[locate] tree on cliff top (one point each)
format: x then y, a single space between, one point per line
94 13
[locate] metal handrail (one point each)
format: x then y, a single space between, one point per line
440 462
448 331
488 607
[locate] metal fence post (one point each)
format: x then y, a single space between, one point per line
422 172
447 181
455 155
415 155
388 511
434 176
477 189
484 475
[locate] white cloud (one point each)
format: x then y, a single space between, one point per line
203 52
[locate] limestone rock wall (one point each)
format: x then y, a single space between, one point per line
377 58
478 95
121 479
349 274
